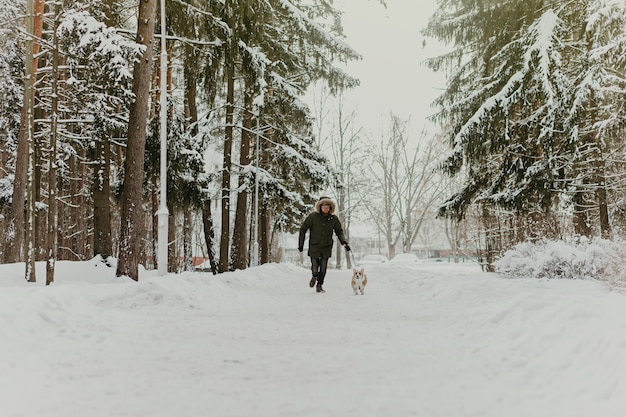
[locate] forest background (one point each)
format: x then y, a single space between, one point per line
528 140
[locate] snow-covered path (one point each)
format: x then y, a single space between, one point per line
425 340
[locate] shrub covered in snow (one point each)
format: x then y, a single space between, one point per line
575 258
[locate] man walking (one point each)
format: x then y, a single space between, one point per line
321 223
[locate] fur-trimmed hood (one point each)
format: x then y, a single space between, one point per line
324 201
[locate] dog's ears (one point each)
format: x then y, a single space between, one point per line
354 270
362 270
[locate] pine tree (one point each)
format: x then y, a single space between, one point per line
522 106
598 88
282 48
301 45
94 95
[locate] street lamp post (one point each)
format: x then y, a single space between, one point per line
163 212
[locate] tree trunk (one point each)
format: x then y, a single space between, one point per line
581 222
131 229
391 249
80 244
101 187
154 222
187 247
14 232
101 195
33 28
191 112
40 225
265 233
491 238
228 144
209 234
102 242
173 260
605 224
601 195
31 208
191 76
240 232
53 217
344 223
31 211
63 222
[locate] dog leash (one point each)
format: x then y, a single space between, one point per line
353 260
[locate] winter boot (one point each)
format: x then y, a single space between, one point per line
312 282
319 288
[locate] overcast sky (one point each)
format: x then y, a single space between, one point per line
392 74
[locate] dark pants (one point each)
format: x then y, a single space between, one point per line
318 268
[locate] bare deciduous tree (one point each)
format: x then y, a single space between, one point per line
406 187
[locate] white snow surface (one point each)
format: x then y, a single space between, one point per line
428 339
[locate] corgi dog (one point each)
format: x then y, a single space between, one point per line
359 281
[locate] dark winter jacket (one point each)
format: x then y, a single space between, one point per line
321 230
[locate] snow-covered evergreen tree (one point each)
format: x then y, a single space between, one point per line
11 73
533 97
272 52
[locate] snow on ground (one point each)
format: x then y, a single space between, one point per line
430 339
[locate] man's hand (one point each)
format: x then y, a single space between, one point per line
300 250
345 245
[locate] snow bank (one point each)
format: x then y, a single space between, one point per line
580 258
